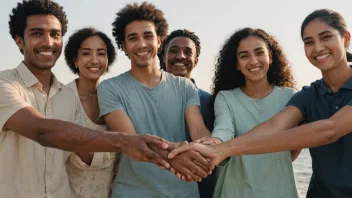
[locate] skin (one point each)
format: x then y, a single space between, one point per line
181 57
279 133
92 61
141 44
253 60
43 33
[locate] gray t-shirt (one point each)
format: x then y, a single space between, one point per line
158 111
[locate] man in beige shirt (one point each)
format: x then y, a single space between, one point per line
36 111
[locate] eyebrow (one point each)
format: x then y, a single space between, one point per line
176 46
41 29
321 33
100 49
135 34
256 49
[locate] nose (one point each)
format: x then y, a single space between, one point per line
318 46
180 55
142 43
94 59
48 40
253 59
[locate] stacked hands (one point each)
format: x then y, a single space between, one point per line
188 161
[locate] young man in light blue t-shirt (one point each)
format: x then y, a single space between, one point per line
145 100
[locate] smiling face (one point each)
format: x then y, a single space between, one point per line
253 58
92 58
141 43
41 42
180 57
323 45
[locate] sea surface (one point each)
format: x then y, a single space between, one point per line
302 168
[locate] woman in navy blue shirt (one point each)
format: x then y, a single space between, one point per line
325 108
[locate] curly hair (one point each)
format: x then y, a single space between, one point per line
133 12
75 41
333 19
227 77
174 34
18 18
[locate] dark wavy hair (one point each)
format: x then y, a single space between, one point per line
18 18
174 34
136 12
75 41
227 77
333 19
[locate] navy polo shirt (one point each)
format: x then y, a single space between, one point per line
332 163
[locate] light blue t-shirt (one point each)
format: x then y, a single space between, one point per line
158 111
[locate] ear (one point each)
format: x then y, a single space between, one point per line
347 37
19 42
196 62
75 62
270 57
159 42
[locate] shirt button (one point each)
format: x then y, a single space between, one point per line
337 107
49 157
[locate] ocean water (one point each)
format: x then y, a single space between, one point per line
302 168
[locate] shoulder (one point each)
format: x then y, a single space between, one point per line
114 82
9 75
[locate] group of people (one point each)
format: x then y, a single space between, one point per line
151 132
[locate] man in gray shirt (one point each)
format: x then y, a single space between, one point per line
147 100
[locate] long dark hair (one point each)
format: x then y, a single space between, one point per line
227 77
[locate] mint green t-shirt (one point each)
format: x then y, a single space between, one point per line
157 111
252 176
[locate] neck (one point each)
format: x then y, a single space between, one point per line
44 77
257 89
337 77
87 87
149 76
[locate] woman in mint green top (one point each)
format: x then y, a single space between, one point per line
252 83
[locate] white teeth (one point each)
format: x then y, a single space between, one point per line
322 56
254 69
94 69
142 53
46 53
179 64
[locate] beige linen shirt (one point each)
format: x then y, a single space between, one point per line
26 168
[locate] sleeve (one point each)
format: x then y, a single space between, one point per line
300 100
192 97
10 101
108 99
224 127
350 103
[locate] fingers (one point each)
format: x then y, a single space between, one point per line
180 149
160 142
155 158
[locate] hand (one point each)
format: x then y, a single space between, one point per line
190 166
137 148
211 152
208 141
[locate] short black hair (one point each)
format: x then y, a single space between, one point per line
18 18
75 41
135 12
174 34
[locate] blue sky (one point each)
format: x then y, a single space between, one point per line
213 21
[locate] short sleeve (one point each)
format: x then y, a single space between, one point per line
10 101
224 127
350 103
300 100
192 97
108 98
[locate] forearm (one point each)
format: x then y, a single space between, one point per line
310 135
200 133
71 137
